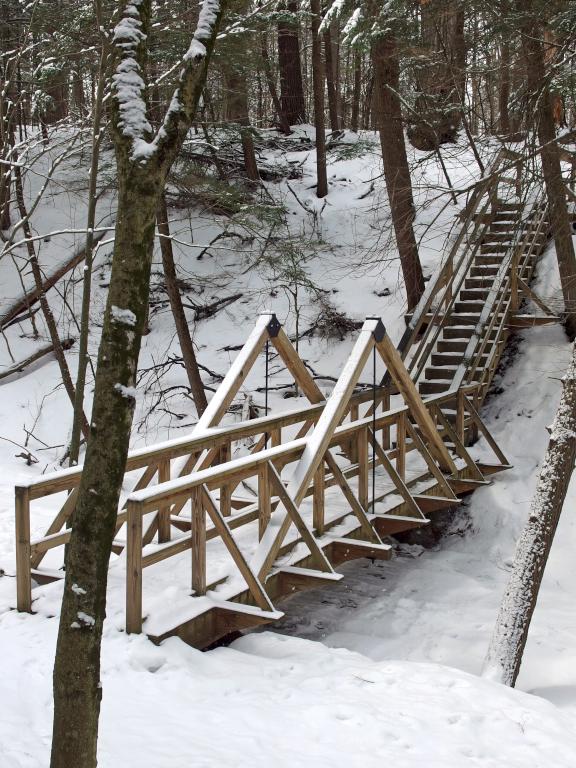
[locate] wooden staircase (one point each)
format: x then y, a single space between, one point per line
329 481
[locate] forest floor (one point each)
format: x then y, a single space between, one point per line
382 665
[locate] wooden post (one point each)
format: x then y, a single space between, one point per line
401 445
164 512
264 506
414 401
226 488
449 277
275 437
23 576
362 447
353 452
460 416
318 501
386 430
514 290
198 533
134 569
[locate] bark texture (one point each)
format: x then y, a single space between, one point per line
511 631
442 79
540 101
184 338
318 85
396 171
291 86
141 178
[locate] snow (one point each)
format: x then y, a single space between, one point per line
383 665
123 316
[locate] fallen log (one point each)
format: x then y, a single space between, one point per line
24 303
18 367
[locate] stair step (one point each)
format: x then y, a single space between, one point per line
478 282
456 332
474 307
517 207
494 248
474 294
451 345
440 372
462 318
483 271
496 237
446 358
504 227
489 260
433 387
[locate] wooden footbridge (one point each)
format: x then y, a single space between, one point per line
224 532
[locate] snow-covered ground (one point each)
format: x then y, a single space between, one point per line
390 678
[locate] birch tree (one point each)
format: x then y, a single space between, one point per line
143 160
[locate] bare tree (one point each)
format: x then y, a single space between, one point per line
143 161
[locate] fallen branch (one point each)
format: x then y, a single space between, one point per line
24 303
18 367
204 311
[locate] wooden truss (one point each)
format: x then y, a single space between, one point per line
314 507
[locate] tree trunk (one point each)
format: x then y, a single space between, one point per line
291 88
511 631
186 345
396 171
356 92
318 85
284 124
443 76
331 79
83 356
541 102
504 90
237 112
46 310
142 162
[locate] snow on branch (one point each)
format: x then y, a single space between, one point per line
128 83
129 86
204 29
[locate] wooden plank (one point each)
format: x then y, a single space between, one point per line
226 488
318 496
235 377
458 444
401 445
62 516
363 468
292 510
296 367
264 505
334 409
398 481
198 537
435 471
164 511
254 585
482 427
355 505
134 569
414 401
23 576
